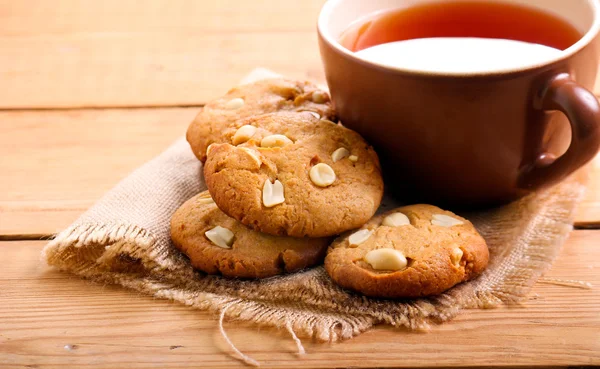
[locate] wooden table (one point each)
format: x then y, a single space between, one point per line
92 89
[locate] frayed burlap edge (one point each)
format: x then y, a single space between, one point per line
129 256
133 261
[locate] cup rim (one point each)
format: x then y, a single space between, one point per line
588 37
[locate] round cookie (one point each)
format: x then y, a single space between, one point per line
412 251
296 176
218 244
265 96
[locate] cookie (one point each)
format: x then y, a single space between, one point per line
218 244
213 122
412 251
296 175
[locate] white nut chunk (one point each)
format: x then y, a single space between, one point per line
443 220
243 134
359 237
353 158
252 154
205 199
339 154
234 104
319 97
314 114
272 193
395 220
220 236
456 256
275 141
322 175
386 259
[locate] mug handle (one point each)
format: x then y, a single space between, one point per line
583 111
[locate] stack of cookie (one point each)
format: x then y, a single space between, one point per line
284 179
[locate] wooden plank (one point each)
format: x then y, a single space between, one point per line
49 319
588 211
56 164
71 53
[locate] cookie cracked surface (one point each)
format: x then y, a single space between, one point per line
392 258
290 184
218 244
213 122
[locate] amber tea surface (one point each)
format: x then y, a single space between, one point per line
461 19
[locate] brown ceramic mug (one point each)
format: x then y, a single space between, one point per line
471 138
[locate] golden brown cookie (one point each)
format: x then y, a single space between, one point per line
218 244
213 122
412 251
296 175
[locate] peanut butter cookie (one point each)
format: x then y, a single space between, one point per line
294 174
218 244
213 122
412 251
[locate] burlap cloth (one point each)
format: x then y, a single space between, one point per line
124 239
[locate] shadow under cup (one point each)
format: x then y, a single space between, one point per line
469 139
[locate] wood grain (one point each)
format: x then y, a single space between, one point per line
42 312
71 53
56 164
588 211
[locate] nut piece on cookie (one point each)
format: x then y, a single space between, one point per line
322 175
359 237
339 154
395 220
243 134
218 244
204 198
272 193
275 141
400 261
444 220
313 195
234 103
320 97
456 256
220 236
252 154
386 259
216 122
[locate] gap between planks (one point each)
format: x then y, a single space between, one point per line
26 237
108 107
